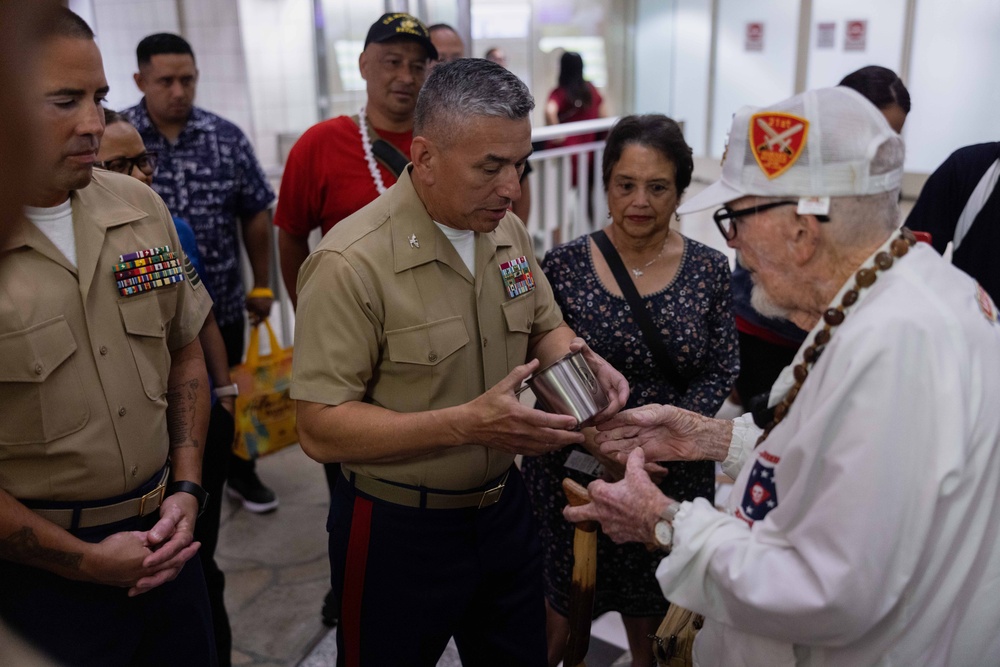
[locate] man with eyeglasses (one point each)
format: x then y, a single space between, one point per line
862 524
122 151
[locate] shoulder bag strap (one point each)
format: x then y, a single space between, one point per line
391 157
636 303
977 200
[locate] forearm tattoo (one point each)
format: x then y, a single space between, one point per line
23 546
182 404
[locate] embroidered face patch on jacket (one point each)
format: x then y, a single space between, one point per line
761 493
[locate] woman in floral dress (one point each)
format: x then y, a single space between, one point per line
684 287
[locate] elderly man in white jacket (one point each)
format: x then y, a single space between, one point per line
864 523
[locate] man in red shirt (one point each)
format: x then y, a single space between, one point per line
340 165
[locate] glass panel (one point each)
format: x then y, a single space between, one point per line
534 33
344 26
952 82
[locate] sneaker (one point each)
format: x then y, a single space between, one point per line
249 490
330 613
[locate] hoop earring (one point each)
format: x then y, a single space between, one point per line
608 216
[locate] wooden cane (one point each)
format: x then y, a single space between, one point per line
581 594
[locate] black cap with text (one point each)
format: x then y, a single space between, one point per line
393 26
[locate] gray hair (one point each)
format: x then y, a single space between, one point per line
860 221
469 87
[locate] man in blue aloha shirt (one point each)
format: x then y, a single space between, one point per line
208 175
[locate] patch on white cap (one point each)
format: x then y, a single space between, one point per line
777 140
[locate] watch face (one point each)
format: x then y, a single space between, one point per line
664 534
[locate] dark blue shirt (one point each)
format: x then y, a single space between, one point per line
211 178
742 286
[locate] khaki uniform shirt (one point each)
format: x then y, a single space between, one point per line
83 370
406 327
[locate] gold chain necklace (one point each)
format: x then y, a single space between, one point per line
834 317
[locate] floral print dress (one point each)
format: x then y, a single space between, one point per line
694 314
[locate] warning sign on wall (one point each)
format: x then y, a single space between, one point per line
855 35
754 37
825 33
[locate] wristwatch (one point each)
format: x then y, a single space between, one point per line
200 494
228 390
663 531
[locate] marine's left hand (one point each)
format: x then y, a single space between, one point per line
614 383
627 510
172 541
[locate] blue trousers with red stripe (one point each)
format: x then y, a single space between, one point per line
410 579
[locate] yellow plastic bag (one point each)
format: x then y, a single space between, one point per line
265 414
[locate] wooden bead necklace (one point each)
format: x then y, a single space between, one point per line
834 317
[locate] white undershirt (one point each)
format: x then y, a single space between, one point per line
57 224
464 241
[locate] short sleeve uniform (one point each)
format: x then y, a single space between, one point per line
83 369
390 315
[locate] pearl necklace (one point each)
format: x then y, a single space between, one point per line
366 143
834 317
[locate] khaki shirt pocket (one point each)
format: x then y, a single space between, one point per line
147 337
427 344
41 393
519 315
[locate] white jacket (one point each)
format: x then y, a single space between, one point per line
866 529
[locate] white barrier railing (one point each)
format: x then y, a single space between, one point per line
560 210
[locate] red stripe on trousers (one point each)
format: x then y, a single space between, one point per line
354 580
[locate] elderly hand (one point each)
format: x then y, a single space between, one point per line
498 419
614 383
627 510
665 433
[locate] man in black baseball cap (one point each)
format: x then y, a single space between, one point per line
396 26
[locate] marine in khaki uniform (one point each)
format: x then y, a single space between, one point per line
102 380
417 319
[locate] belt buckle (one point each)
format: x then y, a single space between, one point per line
488 496
155 493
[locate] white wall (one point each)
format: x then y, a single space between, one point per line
693 45
954 80
672 46
752 77
211 27
281 69
119 25
884 43
654 44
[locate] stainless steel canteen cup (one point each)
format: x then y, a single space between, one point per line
568 387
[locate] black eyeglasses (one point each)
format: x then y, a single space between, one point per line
124 165
725 217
